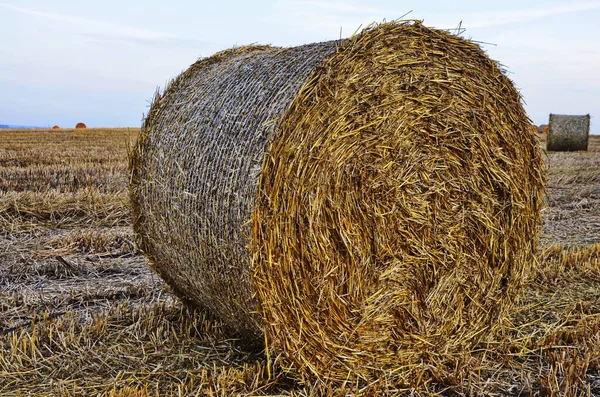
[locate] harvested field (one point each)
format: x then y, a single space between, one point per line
573 214
82 314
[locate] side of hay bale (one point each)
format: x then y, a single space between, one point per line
202 145
80 125
345 198
568 133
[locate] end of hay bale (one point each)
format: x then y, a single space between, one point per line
568 133
369 263
80 126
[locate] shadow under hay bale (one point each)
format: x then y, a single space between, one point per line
369 204
568 133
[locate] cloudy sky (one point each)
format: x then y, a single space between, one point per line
100 62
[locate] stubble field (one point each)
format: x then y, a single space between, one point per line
81 313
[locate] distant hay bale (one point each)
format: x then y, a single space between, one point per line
568 133
56 127
81 125
543 129
371 204
534 128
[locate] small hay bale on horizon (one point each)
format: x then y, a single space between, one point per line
367 207
80 125
56 127
568 133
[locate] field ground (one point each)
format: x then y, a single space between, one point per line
82 314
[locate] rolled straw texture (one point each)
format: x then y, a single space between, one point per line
197 167
371 205
568 133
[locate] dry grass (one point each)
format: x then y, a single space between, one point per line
67 163
54 179
573 213
97 323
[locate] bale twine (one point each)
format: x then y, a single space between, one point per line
567 133
369 203
80 125
56 127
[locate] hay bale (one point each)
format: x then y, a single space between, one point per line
568 133
543 129
56 127
80 125
369 203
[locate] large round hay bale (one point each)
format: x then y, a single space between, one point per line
370 204
80 125
56 127
568 133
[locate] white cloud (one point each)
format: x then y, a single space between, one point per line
497 18
330 6
328 15
102 30
325 16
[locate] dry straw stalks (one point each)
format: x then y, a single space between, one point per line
388 187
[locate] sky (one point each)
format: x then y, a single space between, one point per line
100 62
